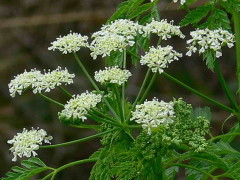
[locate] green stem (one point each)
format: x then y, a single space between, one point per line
76 141
95 85
148 88
198 93
142 88
124 84
65 91
99 113
139 93
101 120
51 100
118 99
191 167
69 165
236 21
225 86
86 126
221 136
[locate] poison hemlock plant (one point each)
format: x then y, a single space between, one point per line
170 134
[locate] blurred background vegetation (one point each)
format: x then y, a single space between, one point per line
26 29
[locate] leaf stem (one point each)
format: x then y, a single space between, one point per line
221 136
148 88
76 141
69 165
225 86
199 94
101 120
86 126
51 100
95 85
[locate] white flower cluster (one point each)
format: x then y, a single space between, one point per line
113 37
112 75
181 2
26 143
39 82
163 29
206 39
159 58
79 105
70 43
153 113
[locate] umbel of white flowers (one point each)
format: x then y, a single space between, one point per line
39 82
113 75
163 29
70 43
213 40
26 143
153 113
159 58
114 36
79 105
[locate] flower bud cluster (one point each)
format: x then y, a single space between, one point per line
163 29
70 43
26 143
113 75
206 39
40 82
159 58
153 113
79 105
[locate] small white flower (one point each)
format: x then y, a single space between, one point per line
163 29
26 143
104 45
206 39
39 82
115 36
70 43
79 105
181 2
159 58
153 113
112 75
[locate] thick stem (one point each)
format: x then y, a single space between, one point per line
51 100
198 93
76 141
95 85
236 20
225 86
124 84
118 99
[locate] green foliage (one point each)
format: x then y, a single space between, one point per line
209 57
131 9
195 16
30 168
230 5
218 19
